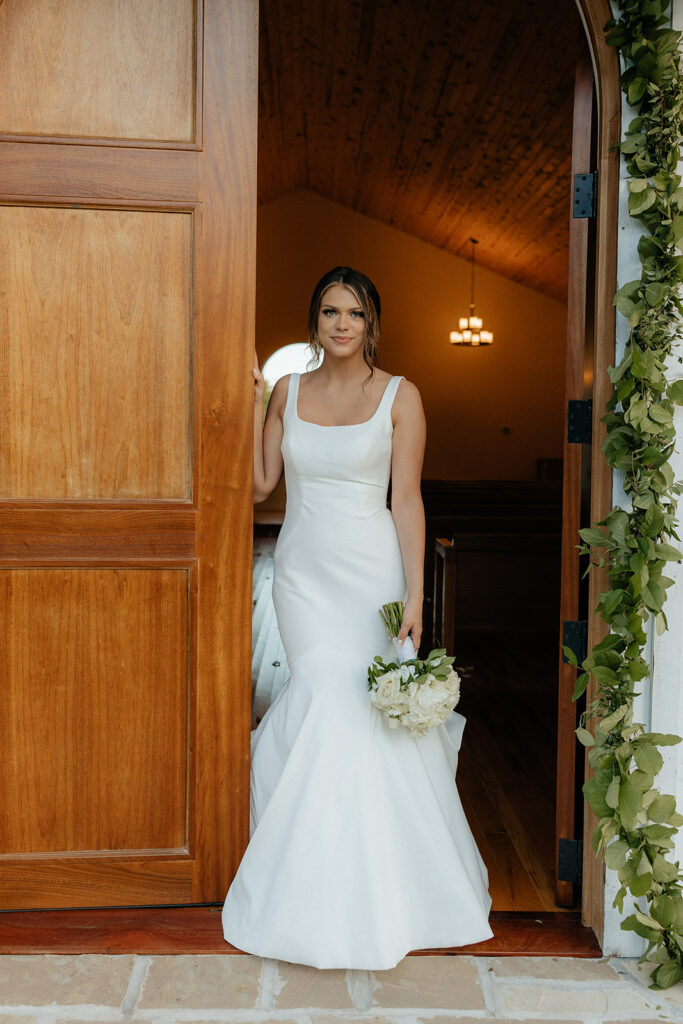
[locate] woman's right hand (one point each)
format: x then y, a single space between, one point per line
259 382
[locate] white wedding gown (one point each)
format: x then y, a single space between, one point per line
359 847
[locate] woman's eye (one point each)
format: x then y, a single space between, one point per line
357 313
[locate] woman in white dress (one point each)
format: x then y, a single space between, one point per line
359 847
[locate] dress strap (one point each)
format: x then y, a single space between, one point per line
292 394
390 392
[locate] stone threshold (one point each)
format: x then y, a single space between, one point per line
244 989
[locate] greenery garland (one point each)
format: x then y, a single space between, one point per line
636 822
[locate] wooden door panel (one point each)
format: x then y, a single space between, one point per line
56 883
81 68
74 172
94 709
95 400
126 334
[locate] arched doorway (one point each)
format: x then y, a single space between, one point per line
604 62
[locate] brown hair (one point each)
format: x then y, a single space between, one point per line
369 301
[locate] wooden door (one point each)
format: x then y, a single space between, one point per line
576 480
127 256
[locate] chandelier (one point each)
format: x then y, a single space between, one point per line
470 327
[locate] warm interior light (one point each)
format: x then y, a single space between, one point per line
471 327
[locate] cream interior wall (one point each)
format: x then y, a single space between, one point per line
470 395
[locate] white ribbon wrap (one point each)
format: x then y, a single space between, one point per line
404 651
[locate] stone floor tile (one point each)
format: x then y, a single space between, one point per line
564 968
517 999
298 986
201 982
426 982
331 1019
8 1018
673 996
30 980
499 1020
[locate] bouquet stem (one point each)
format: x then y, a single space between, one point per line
392 616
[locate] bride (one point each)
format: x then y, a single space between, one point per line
359 848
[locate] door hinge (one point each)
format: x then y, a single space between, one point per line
575 636
585 194
570 860
579 420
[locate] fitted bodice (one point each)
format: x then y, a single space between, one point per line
347 467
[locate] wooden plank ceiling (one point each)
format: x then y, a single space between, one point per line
445 118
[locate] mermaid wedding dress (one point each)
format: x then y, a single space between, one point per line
359 847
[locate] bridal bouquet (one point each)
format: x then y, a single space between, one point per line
418 693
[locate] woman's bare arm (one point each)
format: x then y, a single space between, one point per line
407 509
268 461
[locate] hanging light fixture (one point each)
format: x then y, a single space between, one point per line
470 327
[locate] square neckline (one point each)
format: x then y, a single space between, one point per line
339 426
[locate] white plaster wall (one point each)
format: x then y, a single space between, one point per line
660 704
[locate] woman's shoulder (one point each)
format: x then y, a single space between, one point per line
278 396
407 401
282 383
406 388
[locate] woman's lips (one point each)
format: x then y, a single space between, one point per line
341 338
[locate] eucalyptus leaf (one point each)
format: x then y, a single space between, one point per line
615 853
640 884
648 758
662 807
639 202
629 801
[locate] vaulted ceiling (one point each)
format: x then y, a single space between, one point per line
445 118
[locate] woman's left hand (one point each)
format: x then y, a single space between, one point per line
412 622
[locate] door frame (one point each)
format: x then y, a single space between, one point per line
594 14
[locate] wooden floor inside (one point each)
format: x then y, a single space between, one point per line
506 766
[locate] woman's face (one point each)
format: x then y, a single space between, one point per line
341 322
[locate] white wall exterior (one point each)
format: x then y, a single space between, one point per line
660 704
